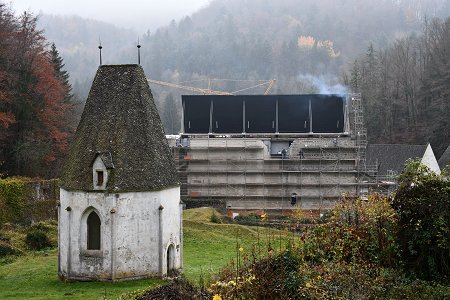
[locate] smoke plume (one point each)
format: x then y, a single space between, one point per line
323 84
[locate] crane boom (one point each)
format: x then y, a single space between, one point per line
190 88
272 82
209 91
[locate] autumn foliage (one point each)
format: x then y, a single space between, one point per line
374 248
34 99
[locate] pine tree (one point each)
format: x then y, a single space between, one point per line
370 85
355 78
60 72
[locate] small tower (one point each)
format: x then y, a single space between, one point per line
120 211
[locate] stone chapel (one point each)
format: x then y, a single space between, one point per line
120 215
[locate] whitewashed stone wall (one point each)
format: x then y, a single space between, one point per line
98 165
137 228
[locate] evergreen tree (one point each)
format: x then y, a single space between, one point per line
355 78
370 84
60 72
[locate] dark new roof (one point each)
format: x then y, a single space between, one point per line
444 160
120 123
392 156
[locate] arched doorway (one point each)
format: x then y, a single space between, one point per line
170 260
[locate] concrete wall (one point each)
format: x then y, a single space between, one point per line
245 173
280 204
136 231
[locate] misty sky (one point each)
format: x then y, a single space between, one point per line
138 14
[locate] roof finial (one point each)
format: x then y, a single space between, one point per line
139 52
100 49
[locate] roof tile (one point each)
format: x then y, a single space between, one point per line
392 156
121 123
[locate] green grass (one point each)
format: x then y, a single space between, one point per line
207 248
36 277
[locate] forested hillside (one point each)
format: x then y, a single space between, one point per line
392 51
406 88
283 39
312 47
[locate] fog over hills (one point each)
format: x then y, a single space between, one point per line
394 52
132 14
78 39
307 46
252 34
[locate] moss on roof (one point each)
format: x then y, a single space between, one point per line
120 117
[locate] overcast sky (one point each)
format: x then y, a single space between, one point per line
138 14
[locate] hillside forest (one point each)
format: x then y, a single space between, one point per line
396 53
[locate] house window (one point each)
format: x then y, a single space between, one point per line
93 231
99 178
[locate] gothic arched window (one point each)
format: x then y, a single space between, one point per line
93 231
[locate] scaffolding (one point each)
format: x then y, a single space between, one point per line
242 172
359 133
368 177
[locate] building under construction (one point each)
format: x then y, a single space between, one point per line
270 152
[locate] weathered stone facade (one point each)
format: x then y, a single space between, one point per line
120 211
138 232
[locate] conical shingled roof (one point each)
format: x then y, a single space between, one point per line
120 117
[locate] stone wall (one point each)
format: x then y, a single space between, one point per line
137 231
25 201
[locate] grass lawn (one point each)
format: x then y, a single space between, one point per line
36 277
207 248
